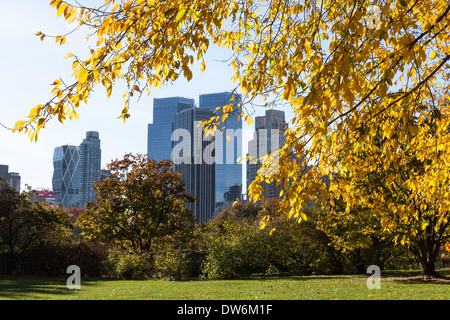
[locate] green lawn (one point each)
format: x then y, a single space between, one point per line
307 287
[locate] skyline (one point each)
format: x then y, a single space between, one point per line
30 65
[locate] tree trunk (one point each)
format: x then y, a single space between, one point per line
427 260
428 267
426 252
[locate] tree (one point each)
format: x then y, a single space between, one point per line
240 211
408 211
143 201
339 65
24 224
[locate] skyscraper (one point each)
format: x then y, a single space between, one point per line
12 179
90 166
269 136
159 144
196 168
66 176
228 170
76 168
3 174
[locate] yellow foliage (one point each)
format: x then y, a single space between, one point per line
365 100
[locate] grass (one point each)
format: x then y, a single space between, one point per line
397 285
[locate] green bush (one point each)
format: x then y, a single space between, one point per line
237 250
126 265
178 264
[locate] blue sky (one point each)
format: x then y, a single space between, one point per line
28 66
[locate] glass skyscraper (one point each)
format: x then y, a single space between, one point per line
75 170
228 170
159 144
90 166
196 168
66 176
269 136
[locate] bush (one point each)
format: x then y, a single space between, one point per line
178 264
239 250
126 265
53 260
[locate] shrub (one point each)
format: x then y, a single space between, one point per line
178 264
53 260
126 265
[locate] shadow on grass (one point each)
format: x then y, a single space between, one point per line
27 287
415 277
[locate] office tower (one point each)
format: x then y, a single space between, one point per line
269 136
228 170
90 166
192 160
159 144
66 176
3 174
105 174
14 180
11 179
76 168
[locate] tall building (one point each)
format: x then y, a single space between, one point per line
4 169
159 144
12 179
76 168
66 176
192 161
268 137
90 166
228 150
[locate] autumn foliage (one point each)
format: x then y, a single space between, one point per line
363 97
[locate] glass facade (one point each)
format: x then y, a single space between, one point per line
228 170
198 175
267 128
159 144
66 176
90 166
75 169
3 175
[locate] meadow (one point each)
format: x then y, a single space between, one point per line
398 285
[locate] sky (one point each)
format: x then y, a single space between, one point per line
27 68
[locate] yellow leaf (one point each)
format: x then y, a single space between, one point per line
181 13
61 9
72 14
68 55
83 75
108 91
433 55
202 66
447 246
